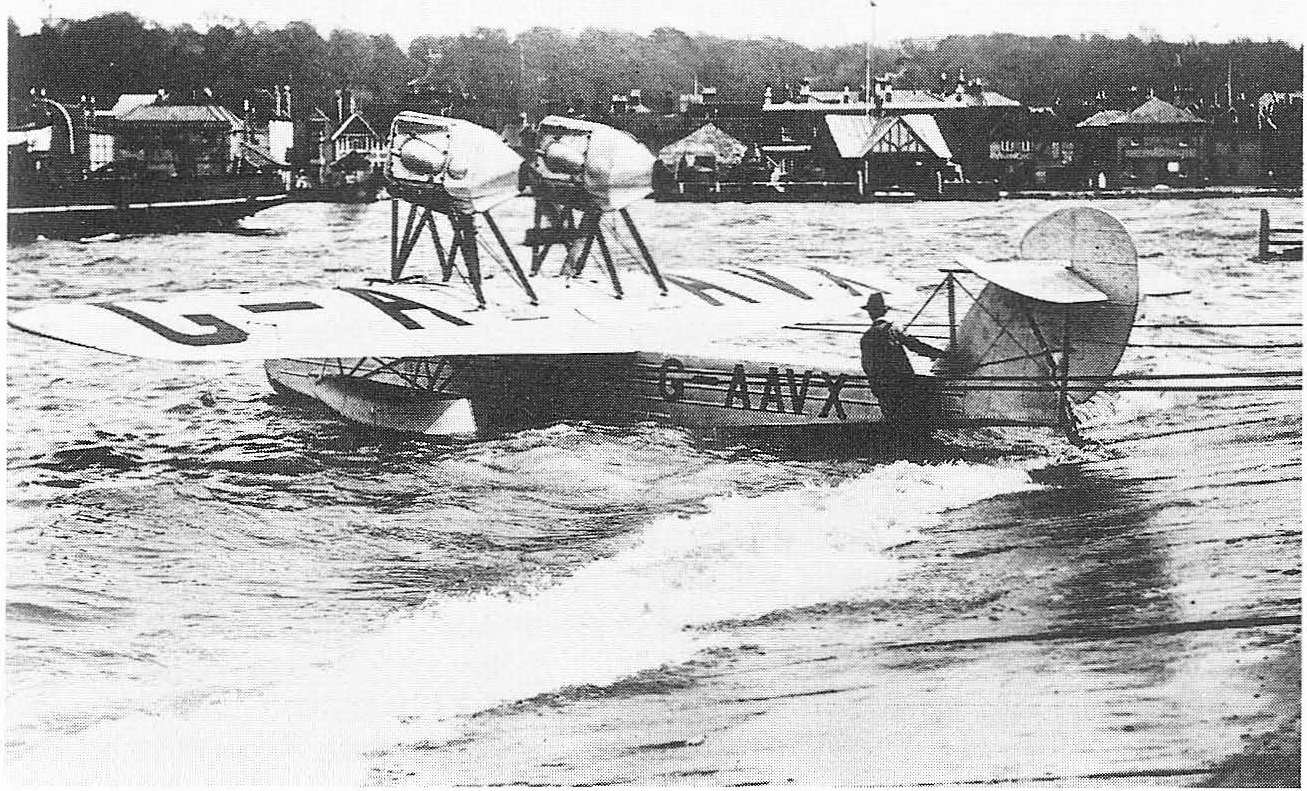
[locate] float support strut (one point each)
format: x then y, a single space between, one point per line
608 261
644 250
465 238
395 266
512 259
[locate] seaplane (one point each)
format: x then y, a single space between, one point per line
453 353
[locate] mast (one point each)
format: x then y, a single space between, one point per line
866 72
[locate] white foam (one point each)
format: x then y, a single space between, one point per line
741 558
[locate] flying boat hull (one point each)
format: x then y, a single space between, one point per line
475 396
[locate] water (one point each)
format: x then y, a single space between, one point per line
208 585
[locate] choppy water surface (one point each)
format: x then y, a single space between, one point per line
205 584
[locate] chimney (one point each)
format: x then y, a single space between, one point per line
618 104
285 105
943 82
340 107
766 94
710 95
634 99
848 95
805 90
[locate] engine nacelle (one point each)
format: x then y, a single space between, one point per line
586 165
450 165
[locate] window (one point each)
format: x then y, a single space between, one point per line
101 149
1172 167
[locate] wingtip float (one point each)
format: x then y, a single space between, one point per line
427 356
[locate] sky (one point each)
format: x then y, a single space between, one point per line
811 22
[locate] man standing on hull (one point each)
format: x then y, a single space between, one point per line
890 376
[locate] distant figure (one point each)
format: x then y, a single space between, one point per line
889 373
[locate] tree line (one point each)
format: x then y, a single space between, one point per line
544 67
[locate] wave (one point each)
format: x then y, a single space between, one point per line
317 718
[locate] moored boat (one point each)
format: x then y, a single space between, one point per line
109 203
146 165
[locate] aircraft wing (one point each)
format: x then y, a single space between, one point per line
367 321
579 316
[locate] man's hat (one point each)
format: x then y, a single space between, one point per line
876 301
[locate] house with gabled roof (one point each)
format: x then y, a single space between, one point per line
354 150
886 152
356 142
1154 144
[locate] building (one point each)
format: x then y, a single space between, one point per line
886 153
1154 144
354 151
964 117
1234 154
707 155
1035 149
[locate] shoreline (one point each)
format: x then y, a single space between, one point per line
1187 193
1194 193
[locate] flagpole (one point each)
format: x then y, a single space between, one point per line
866 77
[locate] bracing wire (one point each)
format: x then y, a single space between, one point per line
493 253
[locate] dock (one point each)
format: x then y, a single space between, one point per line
1278 244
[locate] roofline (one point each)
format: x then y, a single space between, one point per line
843 108
340 130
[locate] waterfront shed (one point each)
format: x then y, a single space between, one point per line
887 152
708 145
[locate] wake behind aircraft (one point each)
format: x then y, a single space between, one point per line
446 354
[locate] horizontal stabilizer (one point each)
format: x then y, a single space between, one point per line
1064 309
1047 281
